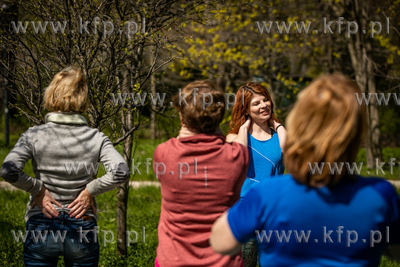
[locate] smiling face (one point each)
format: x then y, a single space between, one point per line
260 108
256 102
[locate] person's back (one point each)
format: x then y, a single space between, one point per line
65 153
213 174
201 176
349 224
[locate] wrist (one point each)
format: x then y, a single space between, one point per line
42 191
244 128
86 191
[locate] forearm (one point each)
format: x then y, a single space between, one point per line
28 184
11 169
117 170
111 180
241 138
15 176
222 240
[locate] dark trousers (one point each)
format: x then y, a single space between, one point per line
48 239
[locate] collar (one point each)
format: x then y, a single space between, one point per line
203 137
65 118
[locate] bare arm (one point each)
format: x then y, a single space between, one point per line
230 138
241 137
281 131
282 137
222 240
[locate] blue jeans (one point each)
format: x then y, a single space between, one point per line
47 239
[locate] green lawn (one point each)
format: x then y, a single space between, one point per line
144 149
143 211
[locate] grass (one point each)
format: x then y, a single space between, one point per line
144 149
143 211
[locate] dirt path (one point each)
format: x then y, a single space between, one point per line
134 184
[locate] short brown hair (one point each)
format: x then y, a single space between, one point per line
325 126
202 106
68 91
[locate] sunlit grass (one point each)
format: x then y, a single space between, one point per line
143 211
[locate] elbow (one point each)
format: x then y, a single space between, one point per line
218 246
214 243
220 249
9 171
122 173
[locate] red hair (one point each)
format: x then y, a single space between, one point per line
244 94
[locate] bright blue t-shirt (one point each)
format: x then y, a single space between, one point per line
265 161
340 223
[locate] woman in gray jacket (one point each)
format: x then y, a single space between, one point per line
65 151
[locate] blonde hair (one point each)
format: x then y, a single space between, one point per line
203 112
325 126
68 91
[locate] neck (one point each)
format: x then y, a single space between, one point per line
185 132
259 128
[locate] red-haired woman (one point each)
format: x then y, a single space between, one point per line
319 203
255 125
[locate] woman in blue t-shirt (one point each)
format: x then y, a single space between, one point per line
255 125
317 215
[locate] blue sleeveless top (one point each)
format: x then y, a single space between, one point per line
265 161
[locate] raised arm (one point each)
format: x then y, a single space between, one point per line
281 131
241 137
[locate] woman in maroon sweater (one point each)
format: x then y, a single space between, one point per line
201 176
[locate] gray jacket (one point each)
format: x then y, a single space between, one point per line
65 153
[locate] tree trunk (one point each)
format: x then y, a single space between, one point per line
122 196
360 51
153 107
374 152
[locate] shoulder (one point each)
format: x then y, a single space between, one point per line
50 126
384 188
277 186
237 150
97 133
162 148
272 192
280 181
37 131
275 136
